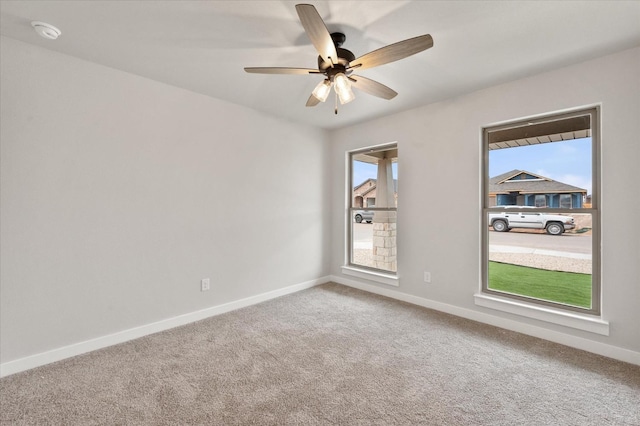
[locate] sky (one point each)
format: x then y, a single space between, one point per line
363 171
567 161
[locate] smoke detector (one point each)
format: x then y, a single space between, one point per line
46 30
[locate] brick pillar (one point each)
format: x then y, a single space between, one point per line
384 246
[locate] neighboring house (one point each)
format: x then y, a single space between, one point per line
522 188
364 195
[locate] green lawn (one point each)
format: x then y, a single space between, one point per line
563 287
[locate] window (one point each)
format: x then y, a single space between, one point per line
565 201
371 233
541 200
540 237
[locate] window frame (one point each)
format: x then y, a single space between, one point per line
376 274
594 210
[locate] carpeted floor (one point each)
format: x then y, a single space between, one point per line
329 355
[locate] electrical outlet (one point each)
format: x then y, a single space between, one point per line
205 284
427 277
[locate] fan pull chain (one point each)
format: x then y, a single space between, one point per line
336 107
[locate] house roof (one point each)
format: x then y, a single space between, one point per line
509 182
395 186
355 188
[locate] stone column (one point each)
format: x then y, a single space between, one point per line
384 223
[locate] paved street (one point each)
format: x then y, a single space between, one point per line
571 243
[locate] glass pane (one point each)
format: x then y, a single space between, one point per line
550 175
374 174
373 239
362 238
542 256
365 182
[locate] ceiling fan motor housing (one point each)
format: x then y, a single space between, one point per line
344 57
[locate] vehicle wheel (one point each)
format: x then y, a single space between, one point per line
358 218
500 226
555 228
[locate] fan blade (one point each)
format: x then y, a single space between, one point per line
393 52
372 87
317 32
280 70
312 101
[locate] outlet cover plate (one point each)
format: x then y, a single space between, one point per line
205 284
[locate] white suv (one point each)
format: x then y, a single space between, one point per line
554 224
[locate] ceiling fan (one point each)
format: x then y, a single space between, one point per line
338 64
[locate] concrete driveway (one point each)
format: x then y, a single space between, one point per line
571 243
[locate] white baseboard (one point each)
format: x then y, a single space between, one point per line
599 348
80 348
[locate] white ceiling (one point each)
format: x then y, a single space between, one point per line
204 45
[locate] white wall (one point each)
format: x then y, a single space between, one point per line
120 193
439 188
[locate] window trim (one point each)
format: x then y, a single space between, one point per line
371 275
511 300
590 323
349 268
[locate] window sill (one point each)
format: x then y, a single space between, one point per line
378 277
555 316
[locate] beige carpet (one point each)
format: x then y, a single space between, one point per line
329 355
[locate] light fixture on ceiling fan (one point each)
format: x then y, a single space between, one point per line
341 85
338 64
